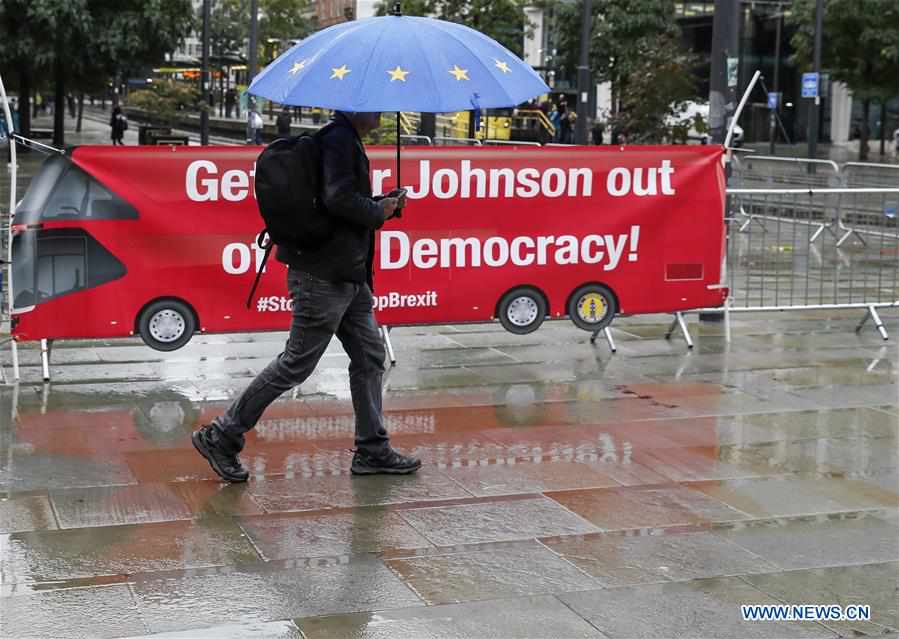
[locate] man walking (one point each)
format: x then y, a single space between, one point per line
331 289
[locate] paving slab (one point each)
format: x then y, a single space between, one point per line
823 540
76 613
641 507
624 560
496 521
364 530
789 496
699 609
112 505
525 618
262 630
321 493
270 592
873 584
58 556
510 571
26 512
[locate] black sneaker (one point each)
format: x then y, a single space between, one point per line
225 464
390 463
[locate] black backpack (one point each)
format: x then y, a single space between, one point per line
288 192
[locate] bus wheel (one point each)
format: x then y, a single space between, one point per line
592 307
522 310
167 325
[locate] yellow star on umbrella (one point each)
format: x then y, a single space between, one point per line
339 72
461 74
298 66
397 74
503 66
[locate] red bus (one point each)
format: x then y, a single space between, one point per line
159 241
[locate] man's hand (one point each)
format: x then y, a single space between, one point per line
389 206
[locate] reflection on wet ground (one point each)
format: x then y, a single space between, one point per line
566 492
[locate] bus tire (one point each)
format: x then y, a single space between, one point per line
522 310
592 307
167 325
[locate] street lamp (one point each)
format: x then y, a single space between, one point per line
583 75
204 79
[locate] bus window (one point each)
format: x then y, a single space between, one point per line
68 197
103 204
29 209
79 196
53 262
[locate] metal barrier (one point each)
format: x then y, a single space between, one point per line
441 139
870 175
509 143
779 258
416 140
763 171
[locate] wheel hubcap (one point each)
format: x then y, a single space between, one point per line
592 308
167 326
522 311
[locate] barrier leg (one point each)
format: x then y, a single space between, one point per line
818 232
45 397
727 334
872 313
385 335
671 328
608 333
14 345
45 359
682 325
684 330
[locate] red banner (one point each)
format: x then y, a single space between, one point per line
647 223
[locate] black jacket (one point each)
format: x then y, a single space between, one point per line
347 198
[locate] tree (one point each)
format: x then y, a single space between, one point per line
83 41
284 20
636 46
25 45
502 20
861 48
229 26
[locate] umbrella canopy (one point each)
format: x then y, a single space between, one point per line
399 63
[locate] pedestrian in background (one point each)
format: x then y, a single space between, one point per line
564 123
230 100
254 124
283 122
119 124
572 122
555 119
331 288
596 132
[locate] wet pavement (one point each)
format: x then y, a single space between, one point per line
566 492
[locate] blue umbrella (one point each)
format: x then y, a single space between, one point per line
399 63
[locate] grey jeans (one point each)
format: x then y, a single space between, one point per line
321 309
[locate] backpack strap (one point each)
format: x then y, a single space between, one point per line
261 243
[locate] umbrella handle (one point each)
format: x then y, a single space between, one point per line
399 183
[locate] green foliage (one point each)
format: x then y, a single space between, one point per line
861 43
636 45
93 38
164 99
659 80
229 26
284 20
861 47
502 20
